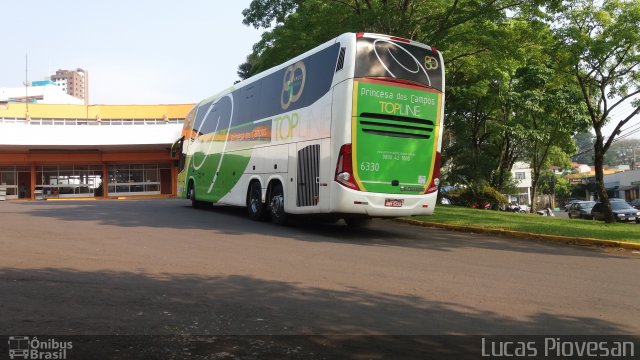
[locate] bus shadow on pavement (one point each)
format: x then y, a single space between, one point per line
177 214
65 301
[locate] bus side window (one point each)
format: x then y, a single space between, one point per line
200 113
219 118
250 102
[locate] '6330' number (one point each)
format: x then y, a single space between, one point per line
369 166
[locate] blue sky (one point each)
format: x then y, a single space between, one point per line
136 52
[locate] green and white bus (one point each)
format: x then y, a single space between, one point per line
351 129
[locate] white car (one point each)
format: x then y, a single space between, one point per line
570 202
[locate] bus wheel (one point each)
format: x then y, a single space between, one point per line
255 206
276 205
192 195
357 222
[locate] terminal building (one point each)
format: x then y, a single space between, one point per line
98 151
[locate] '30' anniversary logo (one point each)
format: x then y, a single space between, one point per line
292 84
430 63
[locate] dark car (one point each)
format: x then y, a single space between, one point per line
635 203
621 210
581 209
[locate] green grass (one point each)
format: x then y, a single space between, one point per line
532 223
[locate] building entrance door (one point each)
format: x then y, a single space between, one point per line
165 181
24 185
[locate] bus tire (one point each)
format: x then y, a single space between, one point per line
276 205
192 195
255 206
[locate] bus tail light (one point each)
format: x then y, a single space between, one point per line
435 179
344 168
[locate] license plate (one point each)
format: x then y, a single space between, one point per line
393 202
631 218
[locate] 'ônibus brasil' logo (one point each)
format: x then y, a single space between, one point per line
25 347
292 84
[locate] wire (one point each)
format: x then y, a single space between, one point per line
623 133
624 108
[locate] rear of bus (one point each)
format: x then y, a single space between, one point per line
390 164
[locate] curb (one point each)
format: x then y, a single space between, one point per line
134 197
526 235
143 197
72 199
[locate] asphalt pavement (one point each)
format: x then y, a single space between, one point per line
161 267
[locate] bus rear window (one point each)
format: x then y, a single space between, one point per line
384 58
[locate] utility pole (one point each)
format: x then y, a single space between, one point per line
26 83
633 163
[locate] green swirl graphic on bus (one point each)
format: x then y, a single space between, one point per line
293 84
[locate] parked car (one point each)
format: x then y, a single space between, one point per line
515 207
635 203
546 212
570 202
621 210
581 209
485 206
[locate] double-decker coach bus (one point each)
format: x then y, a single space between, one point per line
351 129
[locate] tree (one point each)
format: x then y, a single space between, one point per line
490 46
584 142
244 70
562 188
483 103
550 116
483 49
512 103
547 182
603 48
299 25
472 105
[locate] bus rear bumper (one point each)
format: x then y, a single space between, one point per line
380 205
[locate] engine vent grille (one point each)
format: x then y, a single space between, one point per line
396 126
